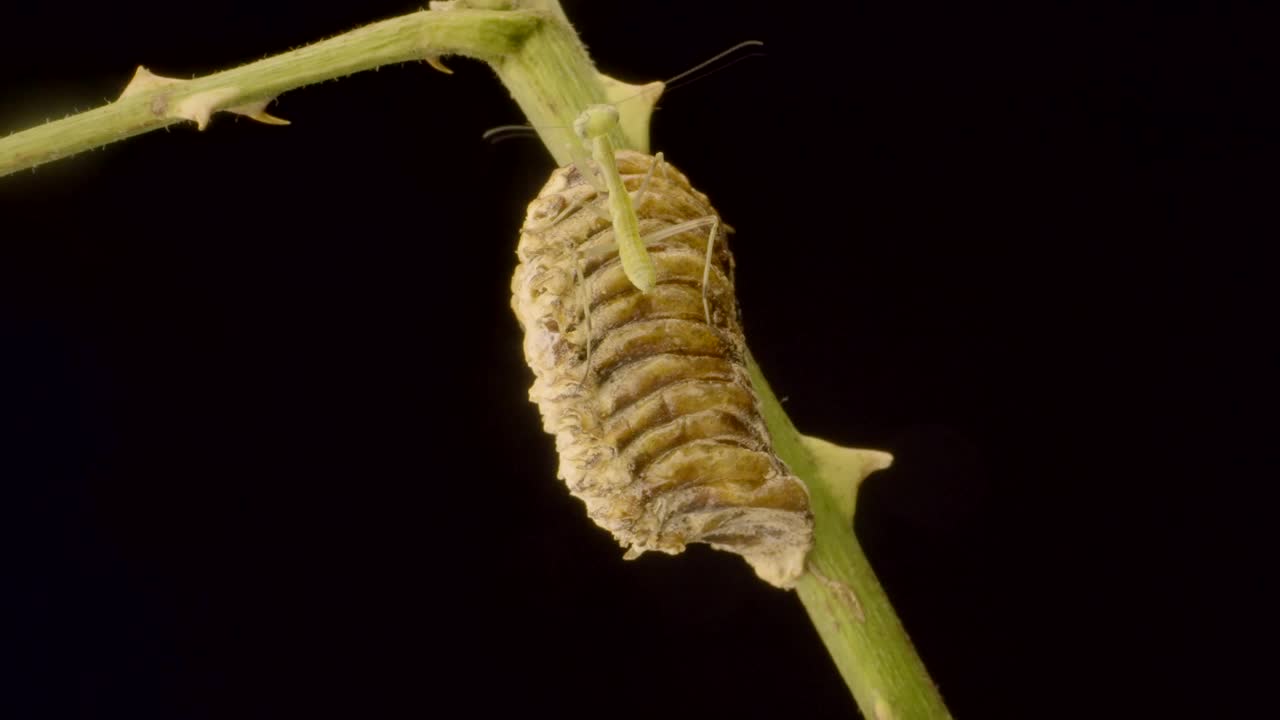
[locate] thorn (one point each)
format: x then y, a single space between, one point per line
269 119
144 80
199 107
258 111
196 108
434 61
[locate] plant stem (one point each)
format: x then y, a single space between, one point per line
841 593
552 79
482 34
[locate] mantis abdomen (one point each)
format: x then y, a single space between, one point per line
657 425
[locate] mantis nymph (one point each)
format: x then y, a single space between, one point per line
594 127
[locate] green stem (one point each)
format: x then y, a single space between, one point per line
552 79
841 593
482 34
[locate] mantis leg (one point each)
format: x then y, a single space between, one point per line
706 267
664 233
658 162
582 162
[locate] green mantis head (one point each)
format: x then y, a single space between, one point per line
595 121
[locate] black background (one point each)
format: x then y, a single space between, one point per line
269 449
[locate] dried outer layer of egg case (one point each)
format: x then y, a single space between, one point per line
661 433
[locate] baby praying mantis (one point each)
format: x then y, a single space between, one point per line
593 127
